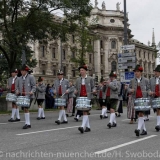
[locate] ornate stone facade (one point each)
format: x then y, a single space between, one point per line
110 29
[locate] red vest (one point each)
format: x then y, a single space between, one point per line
83 92
139 92
23 90
108 92
157 94
60 90
100 94
13 88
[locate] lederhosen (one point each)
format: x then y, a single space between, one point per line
39 101
102 101
108 98
157 94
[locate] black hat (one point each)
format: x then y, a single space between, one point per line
25 68
14 71
40 79
157 69
84 67
138 68
113 74
60 72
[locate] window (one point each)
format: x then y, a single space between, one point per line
73 73
73 39
113 66
73 54
43 72
64 54
101 59
113 45
90 58
53 53
54 72
42 51
101 44
64 70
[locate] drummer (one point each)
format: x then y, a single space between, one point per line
154 84
11 87
26 86
139 87
84 87
40 97
61 90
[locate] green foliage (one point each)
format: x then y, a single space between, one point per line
23 22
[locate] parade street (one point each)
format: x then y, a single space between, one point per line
47 140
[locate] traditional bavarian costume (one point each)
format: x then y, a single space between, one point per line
141 88
61 87
26 87
154 84
84 86
40 97
113 92
12 81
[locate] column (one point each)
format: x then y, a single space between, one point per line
97 58
106 64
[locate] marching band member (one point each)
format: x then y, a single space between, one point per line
26 86
40 97
102 98
12 81
70 96
84 86
139 87
154 84
61 87
114 88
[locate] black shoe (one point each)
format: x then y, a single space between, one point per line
137 132
66 115
101 116
116 114
64 122
109 125
11 120
105 116
144 132
43 117
58 122
87 129
38 118
26 126
17 119
76 119
81 129
114 124
157 128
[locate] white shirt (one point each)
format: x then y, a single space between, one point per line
157 80
83 80
138 80
24 77
13 80
60 81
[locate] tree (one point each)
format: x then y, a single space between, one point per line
23 22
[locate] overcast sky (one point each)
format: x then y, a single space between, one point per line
144 15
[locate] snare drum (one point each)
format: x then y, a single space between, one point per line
142 104
23 101
83 104
60 102
11 97
156 103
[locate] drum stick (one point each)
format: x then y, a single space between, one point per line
63 94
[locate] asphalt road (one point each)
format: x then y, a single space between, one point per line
47 140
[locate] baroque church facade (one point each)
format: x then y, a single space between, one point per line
110 29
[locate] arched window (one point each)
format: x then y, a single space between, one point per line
113 44
113 66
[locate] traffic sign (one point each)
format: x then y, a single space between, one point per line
126 54
126 76
126 65
128 47
126 59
